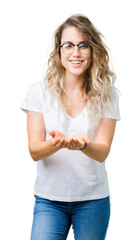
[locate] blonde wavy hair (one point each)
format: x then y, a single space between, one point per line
99 78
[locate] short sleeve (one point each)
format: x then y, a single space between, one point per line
33 100
114 113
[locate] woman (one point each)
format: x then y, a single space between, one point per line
71 119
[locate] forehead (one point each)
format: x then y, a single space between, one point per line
72 34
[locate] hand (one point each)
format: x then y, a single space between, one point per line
74 143
59 139
77 141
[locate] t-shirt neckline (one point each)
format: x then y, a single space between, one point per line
81 113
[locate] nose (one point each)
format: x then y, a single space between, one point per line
76 51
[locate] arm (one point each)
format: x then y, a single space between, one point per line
38 147
104 136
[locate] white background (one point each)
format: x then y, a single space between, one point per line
27 29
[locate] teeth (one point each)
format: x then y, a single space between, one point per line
76 62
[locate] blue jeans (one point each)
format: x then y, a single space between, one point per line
52 219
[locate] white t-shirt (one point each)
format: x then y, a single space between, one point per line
67 175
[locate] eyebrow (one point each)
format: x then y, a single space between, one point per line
73 43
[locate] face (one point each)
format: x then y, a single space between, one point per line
75 63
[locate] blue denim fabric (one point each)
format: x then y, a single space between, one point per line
52 219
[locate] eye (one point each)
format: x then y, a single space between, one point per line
67 45
83 45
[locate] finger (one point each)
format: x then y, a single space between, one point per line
86 139
52 133
80 144
64 144
69 144
55 141
74 144
61 143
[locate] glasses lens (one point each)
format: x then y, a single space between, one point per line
67 48
84 48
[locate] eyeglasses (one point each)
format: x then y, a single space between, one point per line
69 47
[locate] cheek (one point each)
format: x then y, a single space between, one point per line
63 60
88 62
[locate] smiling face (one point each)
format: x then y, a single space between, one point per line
75 63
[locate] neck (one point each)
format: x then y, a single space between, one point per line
73 82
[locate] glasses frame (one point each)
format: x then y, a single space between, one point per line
61 45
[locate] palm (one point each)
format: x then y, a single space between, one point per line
82 137
57 134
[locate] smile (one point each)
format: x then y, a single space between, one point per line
76 63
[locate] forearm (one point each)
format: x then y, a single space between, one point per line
96 151
39 150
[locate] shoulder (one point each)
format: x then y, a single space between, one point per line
114 111
37 87
115 94
37 90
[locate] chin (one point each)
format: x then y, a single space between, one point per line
77 72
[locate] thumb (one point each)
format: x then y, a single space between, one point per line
52 133
86 139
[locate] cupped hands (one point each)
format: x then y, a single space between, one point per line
74 143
